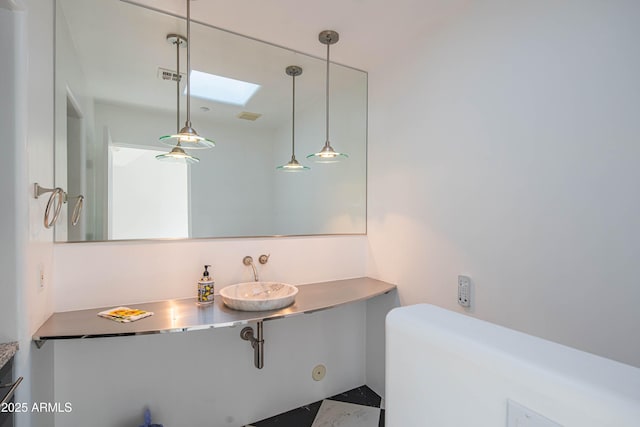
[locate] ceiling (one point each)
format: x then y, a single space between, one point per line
370 30
120 47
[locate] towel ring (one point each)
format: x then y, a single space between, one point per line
59 192
77 209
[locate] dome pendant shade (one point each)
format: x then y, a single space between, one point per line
293 165
177 155
327 154
188 138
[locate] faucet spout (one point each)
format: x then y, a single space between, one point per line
249 261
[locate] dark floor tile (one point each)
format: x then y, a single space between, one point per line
381 418
361 395
300 417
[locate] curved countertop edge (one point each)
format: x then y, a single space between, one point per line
7 351
183 315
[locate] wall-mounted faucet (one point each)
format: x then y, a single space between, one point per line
263 259
249 261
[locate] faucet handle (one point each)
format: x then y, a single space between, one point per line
263 259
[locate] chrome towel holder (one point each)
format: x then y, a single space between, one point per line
57 198
56 194
77 209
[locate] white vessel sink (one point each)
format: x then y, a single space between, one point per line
258 296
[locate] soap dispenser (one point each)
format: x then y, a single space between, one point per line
205 288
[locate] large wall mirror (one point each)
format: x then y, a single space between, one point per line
112 105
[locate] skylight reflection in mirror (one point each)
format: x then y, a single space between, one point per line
221 89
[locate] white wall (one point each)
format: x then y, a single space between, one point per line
11 45
377 310
328 198
232 186
505 146
29 248
38 289
171 269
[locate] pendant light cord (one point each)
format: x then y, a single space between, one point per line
188 122
293 120
327 97
178 42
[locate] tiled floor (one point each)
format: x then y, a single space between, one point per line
360 407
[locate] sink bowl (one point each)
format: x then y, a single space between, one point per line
258 296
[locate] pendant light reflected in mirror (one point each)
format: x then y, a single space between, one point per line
327 154
187 137
177 154
293 165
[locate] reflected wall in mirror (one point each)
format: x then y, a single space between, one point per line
112 105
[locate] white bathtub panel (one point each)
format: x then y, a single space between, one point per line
446 369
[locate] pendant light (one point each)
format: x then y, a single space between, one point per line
187 136
177 154
293 165
327 154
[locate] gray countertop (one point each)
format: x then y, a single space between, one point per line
184 315
7 351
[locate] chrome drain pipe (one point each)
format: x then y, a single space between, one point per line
257 342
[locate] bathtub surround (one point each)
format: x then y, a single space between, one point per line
448 370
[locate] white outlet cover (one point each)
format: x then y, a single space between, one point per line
464 291
41 277
520 416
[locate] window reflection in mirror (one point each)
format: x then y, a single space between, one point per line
134 175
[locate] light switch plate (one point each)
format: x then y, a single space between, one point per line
519 416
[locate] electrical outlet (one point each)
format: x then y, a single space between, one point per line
41 277
464 291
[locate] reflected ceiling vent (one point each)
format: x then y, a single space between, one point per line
164 74
245 115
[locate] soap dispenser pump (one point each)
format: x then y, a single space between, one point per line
205 288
